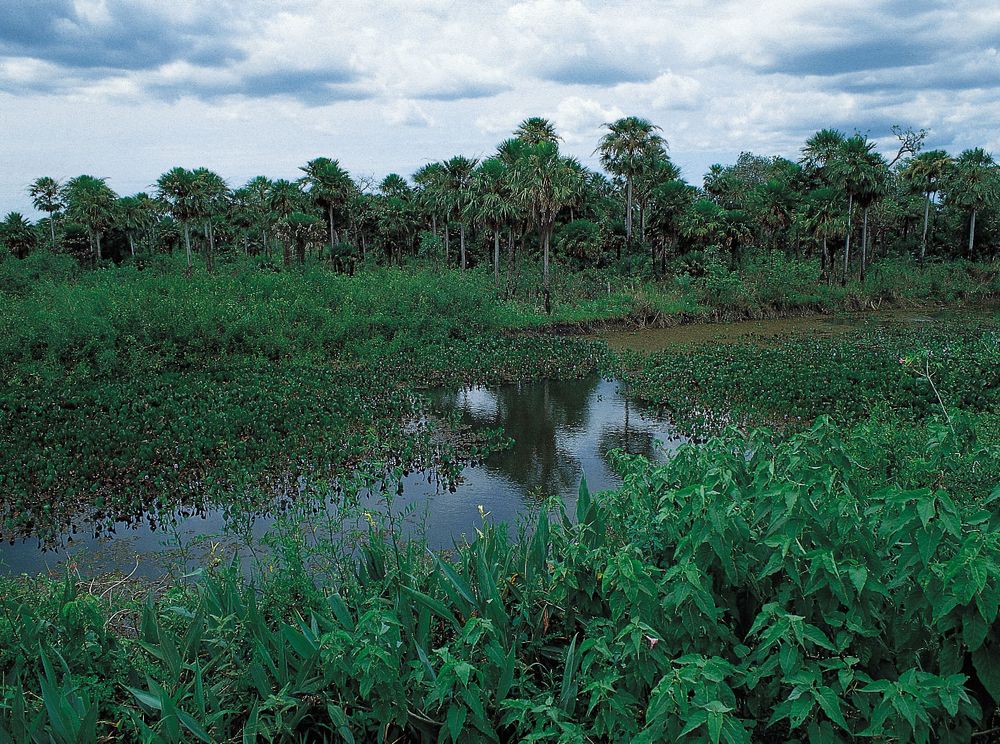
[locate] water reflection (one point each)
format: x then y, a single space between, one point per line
561 431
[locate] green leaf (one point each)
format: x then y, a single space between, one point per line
858 576
830 704
987 666
974 629
339 719
456 720
715 726
583 502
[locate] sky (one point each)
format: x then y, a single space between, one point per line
126 89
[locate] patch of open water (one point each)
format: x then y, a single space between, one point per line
561 431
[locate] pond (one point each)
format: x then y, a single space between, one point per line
561 431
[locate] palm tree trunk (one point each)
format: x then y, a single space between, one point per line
187 244
447 247
545 258
496 256
927 219
510 261
628 210
52 229
847 242
211 246
332 231
864 246
131 244
972 232
100 255
461 241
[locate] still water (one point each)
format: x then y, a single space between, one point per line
561 431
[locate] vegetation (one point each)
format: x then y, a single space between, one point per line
820 564
842 203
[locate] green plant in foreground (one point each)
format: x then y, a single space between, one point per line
750 589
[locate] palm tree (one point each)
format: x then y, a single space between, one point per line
630 142
331 188
178 189
211 194
544 180
137 215
974 183
430 180
458 182
492 203
873 186
850 169
300 229
927 172
46 196
823 218
668 202
536 129
255 198
17 234
91 202
285 199
822 148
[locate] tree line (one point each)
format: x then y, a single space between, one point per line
841 201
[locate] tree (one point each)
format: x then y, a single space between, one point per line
91 202
821 149
927 172
536 129
211 194
253 201
285 199
178 189
17 234
850 168
823 218
46 196
300 229
493 203
331 187
544 180
668 202
873 186
974 184
431 189
628 144
458 183
137 215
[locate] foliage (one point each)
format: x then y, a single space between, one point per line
750 588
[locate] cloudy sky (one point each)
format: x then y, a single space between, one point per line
129 88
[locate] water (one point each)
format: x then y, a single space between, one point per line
561 431
649 340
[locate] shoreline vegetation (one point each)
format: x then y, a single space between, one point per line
821 564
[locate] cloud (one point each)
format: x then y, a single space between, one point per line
114 34
391 84
859 56
579 120
405 113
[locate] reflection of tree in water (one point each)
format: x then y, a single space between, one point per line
533 415
632 435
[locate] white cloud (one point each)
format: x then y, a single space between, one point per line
406 113
259 87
